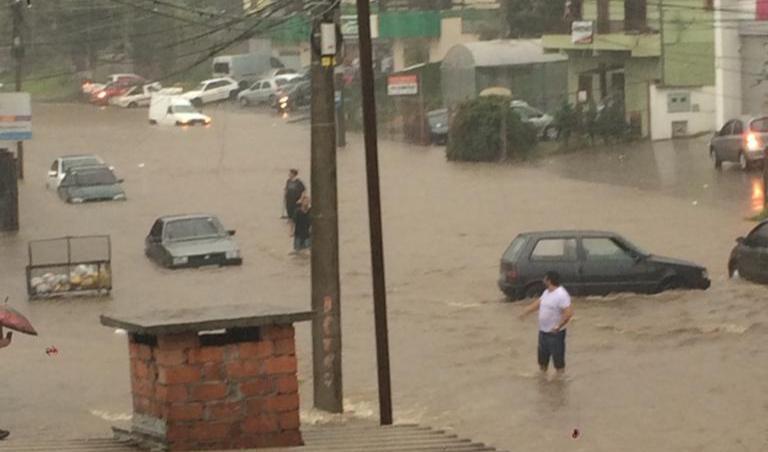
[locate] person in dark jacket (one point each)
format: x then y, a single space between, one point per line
294 188
302 225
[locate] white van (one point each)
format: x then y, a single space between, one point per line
174 110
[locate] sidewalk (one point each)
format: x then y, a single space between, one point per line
356 436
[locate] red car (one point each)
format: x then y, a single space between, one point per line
117 85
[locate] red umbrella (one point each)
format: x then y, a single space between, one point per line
13 319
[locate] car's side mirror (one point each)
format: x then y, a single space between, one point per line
638 258
740 240
231 232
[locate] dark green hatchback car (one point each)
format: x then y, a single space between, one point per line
195 240
89 184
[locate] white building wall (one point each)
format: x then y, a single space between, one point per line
700 118
728 57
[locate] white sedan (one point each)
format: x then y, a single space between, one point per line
213 90
61 165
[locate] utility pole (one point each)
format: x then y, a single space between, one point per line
17 51
326 326
374 211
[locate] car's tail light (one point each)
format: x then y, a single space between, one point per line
509 271
752 141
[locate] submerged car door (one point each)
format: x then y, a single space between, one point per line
610 266
555 254
735 140
720 141
753 254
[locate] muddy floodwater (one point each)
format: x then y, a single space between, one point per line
679 371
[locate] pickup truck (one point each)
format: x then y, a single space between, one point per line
140 95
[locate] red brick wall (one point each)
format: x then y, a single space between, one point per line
231 396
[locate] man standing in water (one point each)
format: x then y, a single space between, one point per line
294 188
555 312
302 224
4 342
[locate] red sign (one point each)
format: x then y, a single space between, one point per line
402 85
761 10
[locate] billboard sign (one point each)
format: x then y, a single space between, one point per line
402 85
15 117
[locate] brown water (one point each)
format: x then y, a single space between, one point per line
681 371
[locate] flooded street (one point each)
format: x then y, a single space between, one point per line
680 371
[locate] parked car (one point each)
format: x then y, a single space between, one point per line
140 95
742 140
191 241
542 122
90 183
438 125
88 86
293 96
750 255
61 165
213 90
591 263
265 91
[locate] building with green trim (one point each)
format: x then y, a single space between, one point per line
657 58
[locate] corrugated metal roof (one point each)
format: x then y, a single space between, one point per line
510 52
351 437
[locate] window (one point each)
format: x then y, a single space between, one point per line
726 130
635 15
759 237
514 249
678 102
738 128
603 248
555 249
221 68
759 125
157 229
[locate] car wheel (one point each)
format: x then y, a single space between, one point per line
534 290
551 133
715 158
743 162
233 94
197 102
243 102
133 105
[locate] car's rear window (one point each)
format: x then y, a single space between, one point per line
514 249
759 125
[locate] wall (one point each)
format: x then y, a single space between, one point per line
702 99
688 42
437 47
754 75
727 65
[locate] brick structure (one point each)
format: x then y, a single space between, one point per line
197 389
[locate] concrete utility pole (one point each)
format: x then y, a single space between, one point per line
326 326
17 51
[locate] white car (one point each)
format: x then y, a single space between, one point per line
61 165
542 122
139 96
265 91
89 87
213 90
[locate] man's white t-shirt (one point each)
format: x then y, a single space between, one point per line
551 308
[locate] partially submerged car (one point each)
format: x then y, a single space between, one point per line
140 95
61 165
591 263
438 126
89 184
191 241
749 257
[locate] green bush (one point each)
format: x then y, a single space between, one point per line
476 135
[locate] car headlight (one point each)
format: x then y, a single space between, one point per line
181 260
181 123
234 254
119 196
76 200
101 95
207 121
284 99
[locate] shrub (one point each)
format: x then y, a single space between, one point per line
476 135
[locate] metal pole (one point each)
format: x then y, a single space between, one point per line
17 50
374 211
326 326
